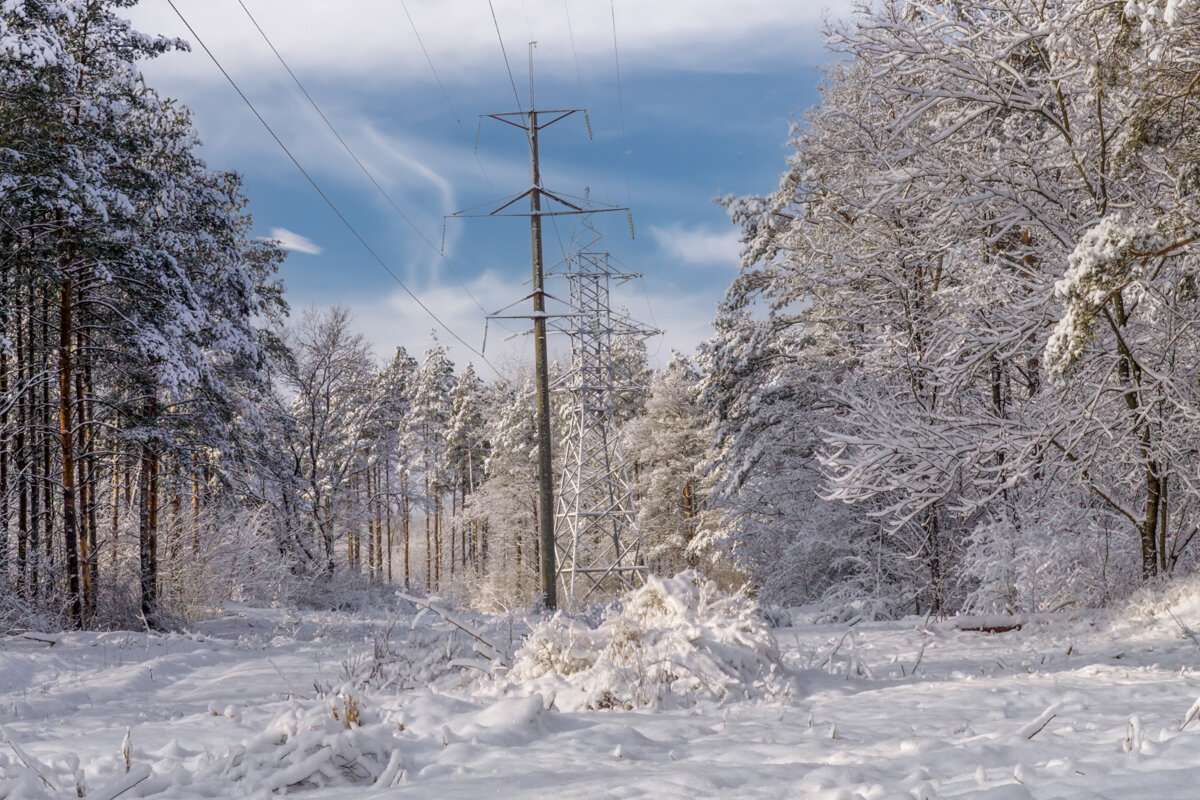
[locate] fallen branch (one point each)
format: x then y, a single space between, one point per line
50 642
1039 728
1191 714
121 785
988 623
445 615
1016 626
26 761
842 641
1038 725
1186 630
920 655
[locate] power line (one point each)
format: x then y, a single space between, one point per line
445 94
625 152
329 202
361 166
583 94
621 105
604 183
574 51
528 21
504 52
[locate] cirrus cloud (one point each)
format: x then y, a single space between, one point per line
290 240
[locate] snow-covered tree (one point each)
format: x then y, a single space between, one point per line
333 405
466 454
968 163
395 399
668 447
504 506
131 289
424 440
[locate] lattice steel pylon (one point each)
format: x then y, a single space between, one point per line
596 531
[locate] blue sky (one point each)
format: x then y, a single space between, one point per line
708 87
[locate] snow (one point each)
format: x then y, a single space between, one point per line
255 703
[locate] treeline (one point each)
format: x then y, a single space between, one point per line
960 367
415 474
128 290
961 364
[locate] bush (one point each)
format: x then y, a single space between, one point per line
670 643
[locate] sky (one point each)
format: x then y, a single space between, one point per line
686 102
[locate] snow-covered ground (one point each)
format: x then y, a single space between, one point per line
256 701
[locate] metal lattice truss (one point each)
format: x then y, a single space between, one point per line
596 530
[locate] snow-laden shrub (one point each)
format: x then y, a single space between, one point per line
338 741
333 743
851 601
220 556
239 560
404 657
1056 561
438 648
670 643
19 613
1174 604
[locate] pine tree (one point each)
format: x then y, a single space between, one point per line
424 440
466 452
131 285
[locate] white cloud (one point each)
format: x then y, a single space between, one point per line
290 240
699 245
685 318
394 319
373 39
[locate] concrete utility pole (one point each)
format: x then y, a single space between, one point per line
541 365
532 121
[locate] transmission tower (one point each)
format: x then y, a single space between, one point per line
597 536
542 203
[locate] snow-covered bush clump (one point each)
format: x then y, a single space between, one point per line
334 743
437 649
1175 605
670 643
1029 567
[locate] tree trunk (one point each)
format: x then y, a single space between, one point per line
936 568
116 502
48 465
428 542
22 465
71 539
1165 562
437 539
148 534
4 451
35 437
1130 374
379 499
1149 526
387 510
195 512
453 537
325 526
405 518
90 474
